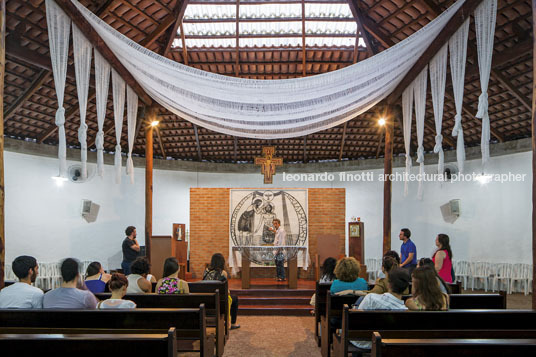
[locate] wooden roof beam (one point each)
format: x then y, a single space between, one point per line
235 153
97 42
305 149
513 90
197 144
41 78
237 40
361 29
160 143
103 9
178 13
304 47
341 150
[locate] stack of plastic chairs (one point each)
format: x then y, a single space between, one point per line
480 270
374 267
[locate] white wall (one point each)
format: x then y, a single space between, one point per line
44 220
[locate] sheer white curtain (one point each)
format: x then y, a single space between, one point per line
118 91
132 112
458 58
407 115
102 84
438 79
82 66
420 85
485 17
269 109
59 26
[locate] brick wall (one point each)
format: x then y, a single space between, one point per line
209 223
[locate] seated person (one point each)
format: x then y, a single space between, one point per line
443 286
137 280
118 285
96 278
216 271
348 280
170 283
381 285
397 283
67 296
328 275
22 295
392 254
426 292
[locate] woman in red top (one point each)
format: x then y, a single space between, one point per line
443 257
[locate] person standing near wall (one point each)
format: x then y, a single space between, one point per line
280 239
131 249
408 251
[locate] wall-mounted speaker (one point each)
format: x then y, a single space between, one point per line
89 210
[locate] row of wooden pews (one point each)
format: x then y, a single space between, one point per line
439 333
197 322
329 314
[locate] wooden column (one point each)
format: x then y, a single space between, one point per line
149 181
2 73
533 150
387 170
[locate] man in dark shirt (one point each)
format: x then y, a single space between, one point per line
131 249
408 251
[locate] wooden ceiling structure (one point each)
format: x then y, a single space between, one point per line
30 100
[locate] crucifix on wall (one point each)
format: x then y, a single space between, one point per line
268 163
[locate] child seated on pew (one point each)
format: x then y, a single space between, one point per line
118 285
426 292
397 284
170 283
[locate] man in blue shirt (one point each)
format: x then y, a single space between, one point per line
408 251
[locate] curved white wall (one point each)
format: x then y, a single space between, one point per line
44 220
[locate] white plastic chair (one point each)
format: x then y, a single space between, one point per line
480 270
462 270
501 274
520 272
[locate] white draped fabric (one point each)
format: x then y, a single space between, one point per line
269 109
419 88
438 80
407 114
118 91
132 112
458 57
82 66
59 26
485 17
102 84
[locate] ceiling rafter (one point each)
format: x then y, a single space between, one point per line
178 13
41 78
237 39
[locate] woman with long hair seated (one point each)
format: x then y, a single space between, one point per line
426 292
443 286
96 278
170 283
216 271
118 285
348 280
382 286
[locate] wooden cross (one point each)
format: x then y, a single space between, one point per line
268 163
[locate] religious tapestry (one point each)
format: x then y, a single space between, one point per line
251 230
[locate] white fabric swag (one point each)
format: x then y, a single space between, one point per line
419 88
59 26
132 112
82 65
407 114
102 85
458 57
438 80
485 17
118 91
269 109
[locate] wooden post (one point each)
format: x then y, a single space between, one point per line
149 181
533 150
387 170
2 73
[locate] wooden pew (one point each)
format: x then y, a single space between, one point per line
211 302
451 347
457 324
81 345
332 319
457 301
321 292
210 286
190 323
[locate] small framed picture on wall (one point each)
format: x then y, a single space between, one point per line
354 230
